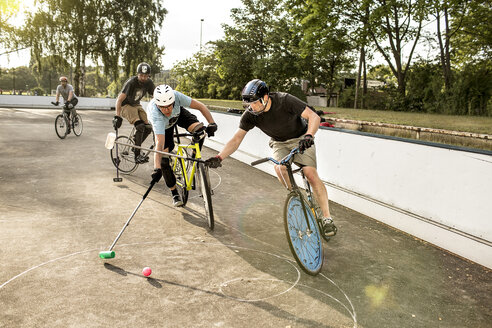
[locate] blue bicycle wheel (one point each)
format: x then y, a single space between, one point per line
305 243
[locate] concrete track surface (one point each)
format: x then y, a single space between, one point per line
59 207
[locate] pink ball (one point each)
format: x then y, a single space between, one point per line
146 271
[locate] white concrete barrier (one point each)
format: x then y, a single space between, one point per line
20 101
440 194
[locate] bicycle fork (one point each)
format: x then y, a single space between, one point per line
295 189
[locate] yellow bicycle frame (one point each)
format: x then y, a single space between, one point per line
186 164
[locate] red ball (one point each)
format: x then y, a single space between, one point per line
146 271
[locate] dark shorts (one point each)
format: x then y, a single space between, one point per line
185 119
71 104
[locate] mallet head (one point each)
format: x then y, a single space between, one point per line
107 254
110 139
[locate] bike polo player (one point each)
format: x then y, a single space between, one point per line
66 91
128 106
165 110
290 123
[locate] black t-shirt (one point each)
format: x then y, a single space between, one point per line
282 122
135 90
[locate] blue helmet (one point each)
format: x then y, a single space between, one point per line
254 90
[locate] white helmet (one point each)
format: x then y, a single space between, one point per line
163 95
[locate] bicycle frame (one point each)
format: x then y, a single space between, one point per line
189 174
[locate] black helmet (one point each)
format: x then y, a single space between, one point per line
143 68
254 90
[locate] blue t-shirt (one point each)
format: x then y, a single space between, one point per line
161 122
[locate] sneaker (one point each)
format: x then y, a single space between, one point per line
177 201
329 228
140 159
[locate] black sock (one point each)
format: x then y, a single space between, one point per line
174 192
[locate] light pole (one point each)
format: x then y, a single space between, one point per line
201 25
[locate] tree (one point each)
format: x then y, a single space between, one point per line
80 30
472 23
47 71
8 9
196 75
324 48
392 25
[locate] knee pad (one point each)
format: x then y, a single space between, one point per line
140 126
167 172
148 130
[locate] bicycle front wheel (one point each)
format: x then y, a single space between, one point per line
180 173
206 193
77 125
125 161
305 243
61 126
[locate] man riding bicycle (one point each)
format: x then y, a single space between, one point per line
290 123
66 91
165 110
128 106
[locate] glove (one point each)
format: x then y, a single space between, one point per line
55 103
211 128
117 121
199 134
306 142
156 175
214 162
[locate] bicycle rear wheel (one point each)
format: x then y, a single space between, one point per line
61 126
179 173
206 193
77 125
126 157
305 245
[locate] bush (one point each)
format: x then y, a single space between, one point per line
90 91
37 91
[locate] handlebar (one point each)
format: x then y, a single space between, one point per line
283 161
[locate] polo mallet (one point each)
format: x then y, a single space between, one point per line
117 179
109 254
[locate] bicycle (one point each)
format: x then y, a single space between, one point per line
302 219
189 168
64 122
124 158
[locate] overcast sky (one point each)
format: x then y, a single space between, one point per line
180 34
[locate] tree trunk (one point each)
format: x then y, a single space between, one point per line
76 77
357 85
364 83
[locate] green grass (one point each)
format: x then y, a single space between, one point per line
475 124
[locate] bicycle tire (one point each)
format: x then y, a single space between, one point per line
306 248
206 193
179 173
126 157
61 126
77 125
